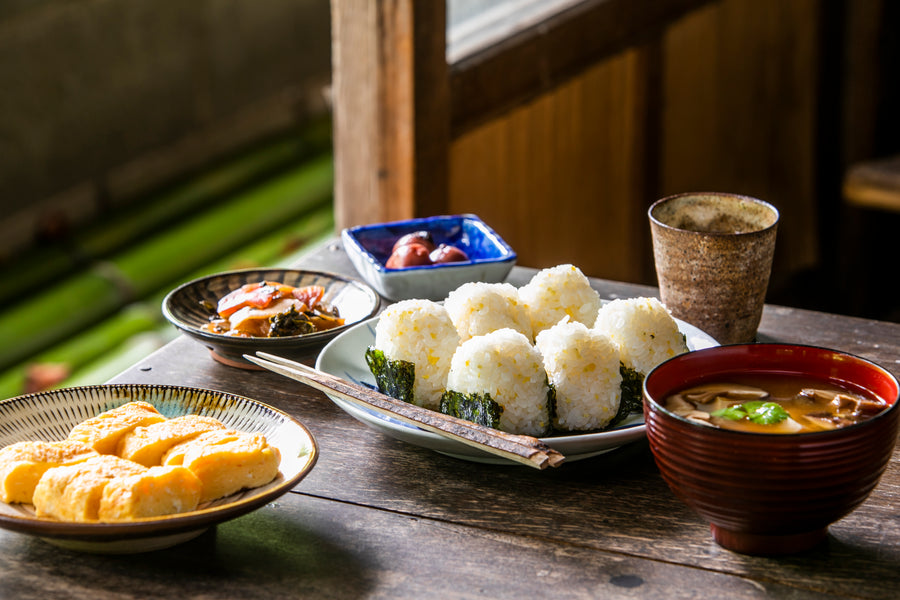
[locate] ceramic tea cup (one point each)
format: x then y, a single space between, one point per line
713 254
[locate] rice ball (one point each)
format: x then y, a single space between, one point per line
505 365
643 330
420 332
583 366
558 292
478 308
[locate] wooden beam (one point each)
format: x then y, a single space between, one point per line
391 109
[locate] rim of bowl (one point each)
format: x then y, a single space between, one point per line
768 205
654 404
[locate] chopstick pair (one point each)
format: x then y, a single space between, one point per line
520 448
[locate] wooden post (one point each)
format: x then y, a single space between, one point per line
391 109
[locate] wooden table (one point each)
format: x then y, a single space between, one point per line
378 518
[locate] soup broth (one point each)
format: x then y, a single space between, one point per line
774 403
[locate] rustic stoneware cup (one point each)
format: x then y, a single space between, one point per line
713 254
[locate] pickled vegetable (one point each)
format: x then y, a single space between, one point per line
271 309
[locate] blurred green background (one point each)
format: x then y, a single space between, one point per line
143 144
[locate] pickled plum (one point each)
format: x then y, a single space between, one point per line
418 249
409 255
447 254
417 237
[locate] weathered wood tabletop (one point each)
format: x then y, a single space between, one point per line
379 518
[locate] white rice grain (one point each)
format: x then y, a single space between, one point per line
559 292
420 332
643 330
505 365
583 366
478 308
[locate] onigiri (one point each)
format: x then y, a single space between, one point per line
582 364
417 333
559 292
643 330
498 380
478 308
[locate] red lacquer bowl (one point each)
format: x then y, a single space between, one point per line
762 493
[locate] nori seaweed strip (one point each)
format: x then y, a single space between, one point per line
478 408
393 377
551 404
632 394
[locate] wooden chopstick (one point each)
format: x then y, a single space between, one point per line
520 448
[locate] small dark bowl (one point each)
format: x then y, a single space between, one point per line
369 247
762 493
183 308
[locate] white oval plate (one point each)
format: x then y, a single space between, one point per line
49 416
344 357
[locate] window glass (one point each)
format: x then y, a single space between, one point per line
475 24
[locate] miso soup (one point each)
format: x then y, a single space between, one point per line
774 403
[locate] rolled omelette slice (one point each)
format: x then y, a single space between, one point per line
104 431
146 444
227 461
73 493
155 492
22 464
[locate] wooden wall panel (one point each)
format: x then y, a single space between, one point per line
739 113
726 97
562 178
725 100
864 90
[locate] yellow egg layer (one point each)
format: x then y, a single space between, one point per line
22 464
147 444
227 461
73 493
104 431
157 491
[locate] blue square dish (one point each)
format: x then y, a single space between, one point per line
369 247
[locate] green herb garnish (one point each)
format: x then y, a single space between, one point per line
756 411
290 323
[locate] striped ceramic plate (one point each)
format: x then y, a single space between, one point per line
49 416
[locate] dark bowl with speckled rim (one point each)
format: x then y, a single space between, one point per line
770 493
186 308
